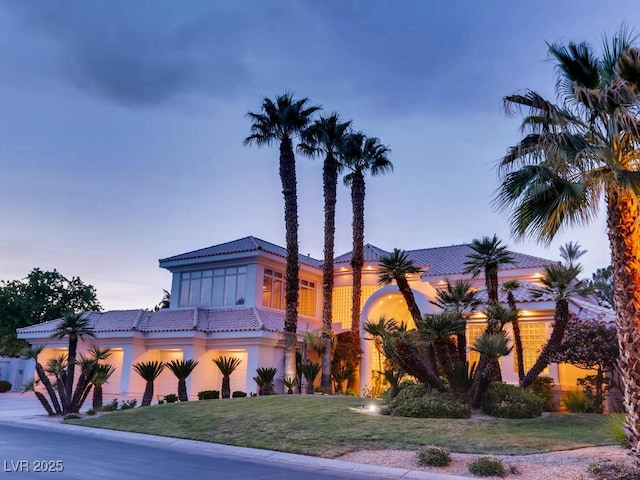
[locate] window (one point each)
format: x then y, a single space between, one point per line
343 300
213 288
473 332
534 337
273 293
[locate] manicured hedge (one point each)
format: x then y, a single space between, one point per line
418 402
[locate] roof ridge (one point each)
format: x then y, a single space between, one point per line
196 315
258 317
136 322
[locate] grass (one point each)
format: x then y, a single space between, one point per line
331 426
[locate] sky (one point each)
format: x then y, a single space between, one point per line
121 124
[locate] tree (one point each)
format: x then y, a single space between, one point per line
73 327
149 371
41 296
602 285
439 330
396 267
572 156
227 366
182 369
165 302
571 252
100 377
362 155
509 287
326 137
282 121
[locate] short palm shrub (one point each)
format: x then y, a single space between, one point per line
149 371
543 388
508 401
264 379
181 369
433 456
417 401
290 383
310 371
227 366
238 394
5 386
575 402
487 467
209 395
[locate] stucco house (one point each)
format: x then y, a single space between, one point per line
228 299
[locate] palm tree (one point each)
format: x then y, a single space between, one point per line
573 156
310 371
491 346
73 327
439 329
182 369
561 282
264 379
327 137
509 287
227 366
149 371
488 255
101 376
55 407
570 252
281 121
395 267
461 299
362 155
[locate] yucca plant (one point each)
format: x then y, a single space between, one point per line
226 365
31 387
310 371
100 376
54 406
149 371
491 346
264 379
290 383
182 369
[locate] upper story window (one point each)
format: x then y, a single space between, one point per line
273 294
213 288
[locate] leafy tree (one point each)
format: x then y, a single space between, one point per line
182 369
281 121
575 154
602 285
41 296
326 137
149 371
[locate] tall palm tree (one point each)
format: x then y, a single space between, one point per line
149 371
509 287
75 328
561 282
574 155
227 366
182 369
460 299
487 257
362 155
571 252
282 121
100 376
326 137
396 267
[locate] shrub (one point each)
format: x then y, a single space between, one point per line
111 406
487 467
608 470
543 388
238 394
127 404
433 456
615 430
508 401
170 398
4 386
91 411
209 395
575 402
321 389
431 404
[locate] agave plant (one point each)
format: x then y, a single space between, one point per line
149 371
264 379
100 376
182 369
290 383
226 365
310 371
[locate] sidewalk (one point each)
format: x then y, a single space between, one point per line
26 410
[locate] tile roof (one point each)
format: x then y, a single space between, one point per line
444 260
249 319
242 245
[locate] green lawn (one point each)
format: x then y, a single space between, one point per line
331 426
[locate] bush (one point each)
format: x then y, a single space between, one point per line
209 395
608 470
91 411
508 401
487 467
238 394
127 404
111 406
170 398
418 402
575 402
543 388
615 430
433 456
4 386
321 389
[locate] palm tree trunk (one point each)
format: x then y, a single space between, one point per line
45 403
182 390
461 340
289 191
226 386
97 398
517 337
414 364
148 395
49 387
358 192
624 237
561 319
71 368
330 183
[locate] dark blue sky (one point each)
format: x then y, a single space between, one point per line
122 124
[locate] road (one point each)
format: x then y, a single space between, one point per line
23 450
